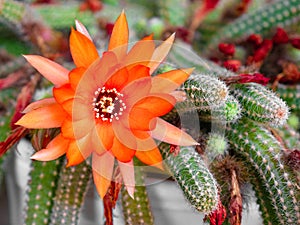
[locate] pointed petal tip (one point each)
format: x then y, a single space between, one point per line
188 70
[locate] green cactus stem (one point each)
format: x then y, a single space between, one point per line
291 95
261 21
193 177
137 211
256 146
260 104
41 191
230 111
71 188
174 12
203 93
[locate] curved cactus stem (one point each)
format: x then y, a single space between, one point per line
261 104
137 211
71 188
193 177
258 148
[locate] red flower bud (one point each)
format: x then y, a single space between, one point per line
218 216
295 42
233 65
256 78
255 39
263 50
109 28
280 36
227 49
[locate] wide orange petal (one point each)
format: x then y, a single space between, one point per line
49 116
118 80
137 72
119 37
127 171
39 104
63 93
83 51
142 114
169 81
152 157
160 53
140 53
79 150
67 128
52 71
102 171
55 149
166 132
121 152
124 134
105 134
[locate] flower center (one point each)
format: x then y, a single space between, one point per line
108 104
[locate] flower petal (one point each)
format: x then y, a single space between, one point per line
127 171
39 104
105 134
142 114
55 149
119 37
166 132
52 71
83 51
118 80
124 134
121 152
75 76
63 93
102 171
48 116
160 53
82 29
169 81
79 150
152 157
140 53
137 72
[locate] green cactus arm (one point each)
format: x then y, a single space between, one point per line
291 95
257 147
41 190
261 104
71 188
261 21
203 92
193 177
137 211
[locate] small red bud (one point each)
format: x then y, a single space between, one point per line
263 50
255 39
233 65
280 36
227 49
295 42
256 78
109 28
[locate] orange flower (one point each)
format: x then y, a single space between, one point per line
108 107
